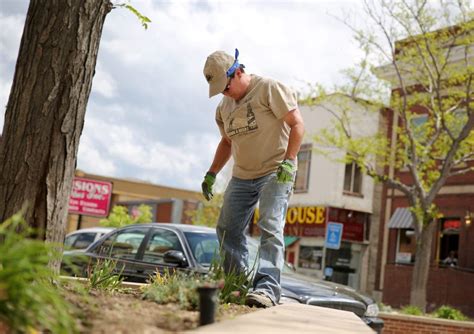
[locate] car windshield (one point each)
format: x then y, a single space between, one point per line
204 246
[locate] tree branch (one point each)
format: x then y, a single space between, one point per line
449 160
461 171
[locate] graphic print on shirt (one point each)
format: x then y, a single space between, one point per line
241 121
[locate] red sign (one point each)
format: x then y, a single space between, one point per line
451 224
353 231
90 197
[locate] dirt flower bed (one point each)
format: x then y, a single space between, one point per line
127 312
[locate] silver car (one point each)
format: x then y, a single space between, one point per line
81 239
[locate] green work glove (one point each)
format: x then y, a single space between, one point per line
207 184
286 171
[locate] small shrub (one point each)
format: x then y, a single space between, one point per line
411 310
30 298
176 287
103 276
448 312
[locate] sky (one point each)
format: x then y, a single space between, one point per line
149 116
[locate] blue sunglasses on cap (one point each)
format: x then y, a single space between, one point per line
235 65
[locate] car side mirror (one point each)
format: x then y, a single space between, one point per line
175 257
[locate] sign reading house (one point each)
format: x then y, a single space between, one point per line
303 221
90 197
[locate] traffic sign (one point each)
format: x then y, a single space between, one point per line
333 235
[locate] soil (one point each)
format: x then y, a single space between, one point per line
126 312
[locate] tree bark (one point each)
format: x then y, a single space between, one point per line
421 267
45 111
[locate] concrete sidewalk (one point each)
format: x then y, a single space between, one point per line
291 318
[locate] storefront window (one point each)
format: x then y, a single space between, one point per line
449 241
406 246
311 257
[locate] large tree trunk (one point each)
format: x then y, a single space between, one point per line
46 108
422 266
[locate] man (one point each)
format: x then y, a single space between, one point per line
451 260
262 129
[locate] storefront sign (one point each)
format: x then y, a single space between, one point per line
90 197
353 231
451 224
334 235
303 221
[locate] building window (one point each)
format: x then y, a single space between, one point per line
352 179
406 246
449 241
310 257
304 164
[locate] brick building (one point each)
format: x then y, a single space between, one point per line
452 233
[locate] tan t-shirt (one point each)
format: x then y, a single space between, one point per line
256 127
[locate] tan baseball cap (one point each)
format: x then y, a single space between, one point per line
215 71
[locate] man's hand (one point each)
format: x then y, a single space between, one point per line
286 171
207 184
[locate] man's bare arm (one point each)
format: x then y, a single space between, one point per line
295 121
222 155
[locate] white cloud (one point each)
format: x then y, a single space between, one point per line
149 116
103 82
91 160
11 27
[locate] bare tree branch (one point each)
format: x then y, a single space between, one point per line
461 171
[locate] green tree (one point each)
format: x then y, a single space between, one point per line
424 49
120 217
208 212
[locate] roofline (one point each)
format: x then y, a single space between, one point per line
356 99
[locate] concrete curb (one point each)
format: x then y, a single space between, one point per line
290 319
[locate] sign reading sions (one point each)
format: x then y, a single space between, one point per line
90 197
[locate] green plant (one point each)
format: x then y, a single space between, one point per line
30 297
411 310
448 312
120 216
179 287
235 286
103 276
175 287
144 20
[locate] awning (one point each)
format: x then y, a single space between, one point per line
290 240
401 218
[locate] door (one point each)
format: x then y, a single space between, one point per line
123 246
152 261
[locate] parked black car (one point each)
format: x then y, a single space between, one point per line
143 249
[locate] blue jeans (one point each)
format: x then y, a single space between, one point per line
240 200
